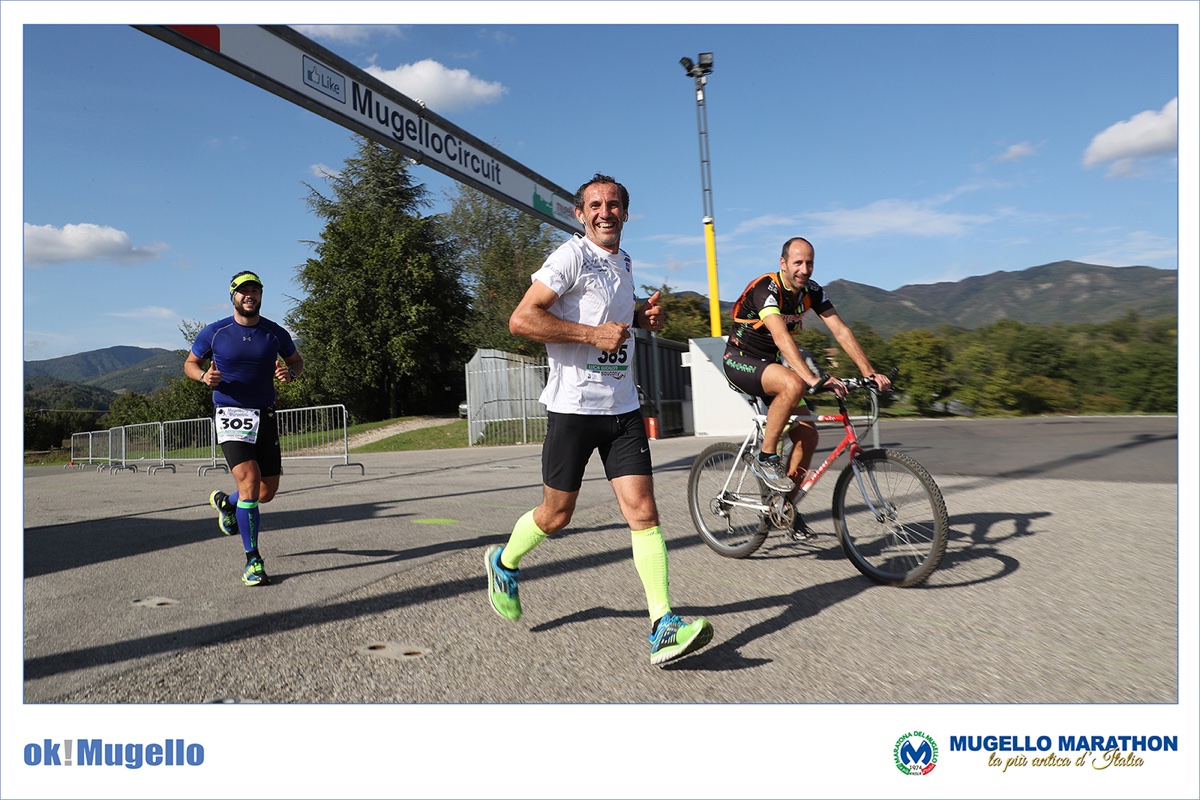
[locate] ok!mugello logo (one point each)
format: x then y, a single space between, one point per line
99 753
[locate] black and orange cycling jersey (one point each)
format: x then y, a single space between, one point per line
767 294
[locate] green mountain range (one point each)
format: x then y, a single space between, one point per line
1065 292
110 371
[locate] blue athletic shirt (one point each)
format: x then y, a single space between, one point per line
245 356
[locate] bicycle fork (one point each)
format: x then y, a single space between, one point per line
881 516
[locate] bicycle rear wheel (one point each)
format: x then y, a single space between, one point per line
892 524
726 501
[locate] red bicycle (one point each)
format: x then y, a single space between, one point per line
889 513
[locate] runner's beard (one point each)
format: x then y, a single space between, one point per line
251 314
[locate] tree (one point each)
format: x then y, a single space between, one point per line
382 322
923 361
497 247
687 315
129 408
981 379
1039 394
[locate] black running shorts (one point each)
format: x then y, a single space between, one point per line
572 438
266 450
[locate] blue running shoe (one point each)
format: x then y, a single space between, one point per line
255 575
502 585
226 520
770 471
673 638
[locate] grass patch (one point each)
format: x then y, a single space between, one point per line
44 458
440 437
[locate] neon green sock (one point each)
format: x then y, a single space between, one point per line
650 559
525 536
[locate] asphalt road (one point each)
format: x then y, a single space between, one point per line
1059 585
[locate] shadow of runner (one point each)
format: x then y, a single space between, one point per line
723 654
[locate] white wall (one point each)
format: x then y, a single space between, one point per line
717 409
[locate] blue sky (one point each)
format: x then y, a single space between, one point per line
910 153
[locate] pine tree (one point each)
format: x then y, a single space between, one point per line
381 326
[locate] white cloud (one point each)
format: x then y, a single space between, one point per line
765 221
46 244
1016 152
347 34
439 87
1150 133
149 312
893 216
1134 249
323 171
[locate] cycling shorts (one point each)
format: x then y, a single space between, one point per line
266 450
572 438
744 372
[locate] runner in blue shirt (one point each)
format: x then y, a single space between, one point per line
243 353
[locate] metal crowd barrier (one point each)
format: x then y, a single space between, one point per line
140 445
316 432
191 440
81 450
304 433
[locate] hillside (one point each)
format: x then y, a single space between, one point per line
1065 292
42 391
115 369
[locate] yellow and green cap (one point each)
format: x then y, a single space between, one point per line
242 278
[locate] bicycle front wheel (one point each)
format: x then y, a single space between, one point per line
727 501
890 518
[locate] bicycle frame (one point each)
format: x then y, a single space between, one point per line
848 443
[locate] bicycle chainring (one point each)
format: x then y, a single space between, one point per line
782 513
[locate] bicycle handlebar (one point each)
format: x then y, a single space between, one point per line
853 384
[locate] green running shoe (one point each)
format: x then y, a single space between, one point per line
226 520
673 638
255 575
502 585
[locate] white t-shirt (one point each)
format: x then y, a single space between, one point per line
593 287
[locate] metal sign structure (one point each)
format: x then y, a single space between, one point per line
285 63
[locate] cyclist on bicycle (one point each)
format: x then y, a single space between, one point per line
763 360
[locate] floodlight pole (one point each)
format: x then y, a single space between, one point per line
700 72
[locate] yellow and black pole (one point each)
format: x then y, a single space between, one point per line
699 70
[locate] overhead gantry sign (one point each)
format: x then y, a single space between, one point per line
285 63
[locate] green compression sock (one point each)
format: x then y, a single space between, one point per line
650 559
526 535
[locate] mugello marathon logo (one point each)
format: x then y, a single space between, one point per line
915 753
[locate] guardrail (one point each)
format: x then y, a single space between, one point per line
315 432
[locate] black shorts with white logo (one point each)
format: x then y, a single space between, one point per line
572 438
